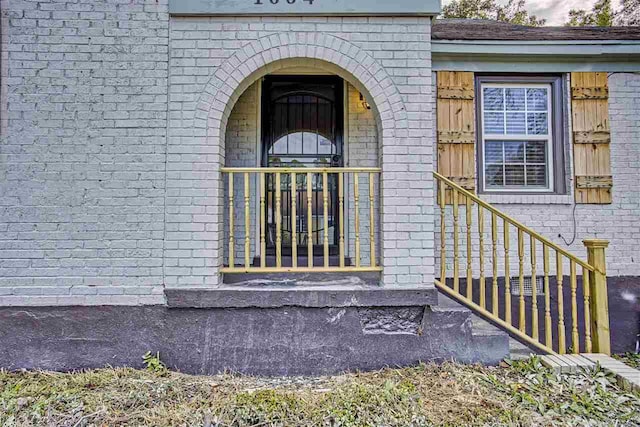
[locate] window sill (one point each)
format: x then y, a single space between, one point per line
528 199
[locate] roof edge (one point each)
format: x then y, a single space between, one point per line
536 55
534 42
490 30
542 48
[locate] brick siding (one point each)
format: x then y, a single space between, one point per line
114 123
83 152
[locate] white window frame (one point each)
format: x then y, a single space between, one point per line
549 138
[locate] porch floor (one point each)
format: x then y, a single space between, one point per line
303 279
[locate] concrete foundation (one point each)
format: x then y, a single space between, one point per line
303 335
273 330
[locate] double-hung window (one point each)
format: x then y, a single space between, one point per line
517 136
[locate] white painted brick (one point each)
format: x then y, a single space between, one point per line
89 215
85 139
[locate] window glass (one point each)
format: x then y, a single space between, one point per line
494 122
514 99
515 164
302 125
537 123
493 99
537 99
516 136
515 123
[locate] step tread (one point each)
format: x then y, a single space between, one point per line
483 328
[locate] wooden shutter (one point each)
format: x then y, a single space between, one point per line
456 128
591 137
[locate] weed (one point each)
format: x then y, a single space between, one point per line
154 364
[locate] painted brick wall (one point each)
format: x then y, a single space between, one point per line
89 193
242 151
83 151
362 151
201 46
551 216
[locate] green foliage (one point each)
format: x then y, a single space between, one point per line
631 359
629 14
513 12
154 364
601 15
370 404
581 399
389 403
603 12
266 407
470 9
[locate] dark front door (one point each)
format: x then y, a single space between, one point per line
302 120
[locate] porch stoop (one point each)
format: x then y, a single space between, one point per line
344 323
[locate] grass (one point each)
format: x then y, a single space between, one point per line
523 394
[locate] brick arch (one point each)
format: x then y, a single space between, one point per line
326 52
266 55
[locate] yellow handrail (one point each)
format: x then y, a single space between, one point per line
513 221
526 325
497 320
299 170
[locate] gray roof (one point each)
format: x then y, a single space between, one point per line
483 29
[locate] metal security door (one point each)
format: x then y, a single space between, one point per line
302 120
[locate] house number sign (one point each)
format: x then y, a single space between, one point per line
259 2
304 7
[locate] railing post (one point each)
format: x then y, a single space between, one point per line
599 299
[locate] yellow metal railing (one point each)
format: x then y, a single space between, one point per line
587 319
310 203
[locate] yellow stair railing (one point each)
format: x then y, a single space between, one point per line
581 326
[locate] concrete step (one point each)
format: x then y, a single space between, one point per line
487 334
519 351
489 342
303 279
